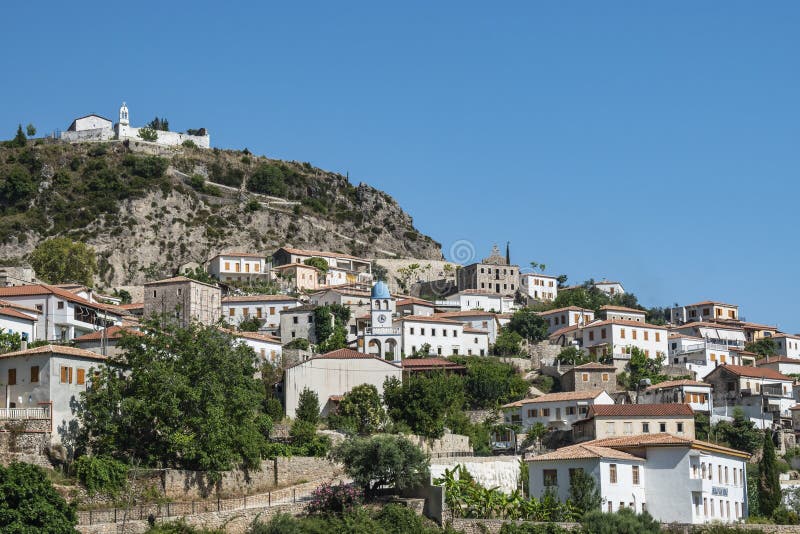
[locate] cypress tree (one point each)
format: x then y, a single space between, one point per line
769 486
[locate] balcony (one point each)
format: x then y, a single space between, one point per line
699 485
18 414
382 331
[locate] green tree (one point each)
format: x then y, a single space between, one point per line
61 260
508 343
769 484
583 492
626 521
573 356
528 324
9 341
182 397
251 324
763 347
641 367
423 402
268 179
159 124
360 411
18 187
29 503
702 426
384 460
30 129
740 434
308 407
19 140
124 295
489 382
199 274
148 134
319 263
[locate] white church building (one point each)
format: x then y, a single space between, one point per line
97 128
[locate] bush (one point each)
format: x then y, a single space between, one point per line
273 408
101 475
179 527
268 179
29 503
340 499
300 343
532 528
189 144
308 407
623 522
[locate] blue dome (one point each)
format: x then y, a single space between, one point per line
380 290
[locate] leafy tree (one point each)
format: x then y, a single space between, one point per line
337 339
30 129
702 426
528 324
306 440
573 356
200 274
379 272
626 521
101 475
508 343
384 460
308 407
489 382
423 402
157 124
19 140
641 367
741 434
300 343
534 436
562 280
319 263
18 187
360 411
124 295
181 397
251 324
60 260
769 484
148 134
423 351
274 409
9 341
29 503
763 347
583 492
268 179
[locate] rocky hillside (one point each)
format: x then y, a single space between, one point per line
148 210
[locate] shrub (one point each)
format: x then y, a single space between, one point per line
623 522
29 503
148 134
340 499
532 528
308 407
189 144
269 180
273 408
101 475
300 343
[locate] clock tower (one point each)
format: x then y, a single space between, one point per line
382 337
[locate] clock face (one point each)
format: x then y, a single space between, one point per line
381 318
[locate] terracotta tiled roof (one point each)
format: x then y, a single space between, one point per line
414 300
625 322
792 336
662 439
258 298
565 330
709 324
710 303
11 312
304 252
295 266
633 410
795 407
45 289
753 372
540 275
582 451
256 336
242 254
16 306
176 279
112 332
344 354
55 349
608 307
568 308
466 313
677 383
132 306
594 366
557 397
684 336
470 330
426 319
777 359
430 363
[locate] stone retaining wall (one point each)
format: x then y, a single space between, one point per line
492 526
25 441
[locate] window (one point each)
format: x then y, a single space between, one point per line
35 378
622 333
726 474
258 313
662 427
550 477
246 312
295 320
705 505
719 474
81 378
658 336
455 334
627 427
585 377
633 333
272 310
612 473
411 330
12 377
735 482
603 333
227 266
444 332
610 428
60 305
66 375
570 410
610 506
680 428
545 412
533 413
591 335
605 377
421 331
646 335
645 428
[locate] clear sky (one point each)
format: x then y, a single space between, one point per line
655 143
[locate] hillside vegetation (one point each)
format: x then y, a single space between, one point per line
147 210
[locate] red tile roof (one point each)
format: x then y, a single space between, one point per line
583 451
568 308
426 319
242 254
753 372
112 332
677 383
258 298
777 359
645 410
608 307
11 312
176 279
662 439
45 289
625 322
414 300
418 364
55 349
344 354
16 306
594 366
558 397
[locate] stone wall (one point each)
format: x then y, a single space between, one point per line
501 472
449 444
543 353
492 526
25 441
96 134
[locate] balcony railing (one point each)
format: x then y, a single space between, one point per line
382 331
24 413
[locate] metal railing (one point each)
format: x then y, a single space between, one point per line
382 331
24 413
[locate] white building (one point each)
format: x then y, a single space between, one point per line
444 336
605 421
479 320
48 378
616 337
96 128
564 317
675 479
62 315
698 395
415 306
382 338
610 288
787 345
266 308
541 287
708 310
554 410
356 270
333 374
700 355
15 321
476 299
267 348
623 313
781 364
239 267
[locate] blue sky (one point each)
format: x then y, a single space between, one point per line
653 143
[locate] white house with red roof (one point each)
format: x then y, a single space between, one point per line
239 267
605 421
698 395
700 355
787 345
554 410
539 286
677 479
266 308
616 337
43 381
560 318
485 321
268 348
333 374
15 319
62 314
357 270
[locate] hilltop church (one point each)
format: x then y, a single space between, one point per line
97 128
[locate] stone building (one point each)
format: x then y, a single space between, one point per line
184 300
590 377
494 274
